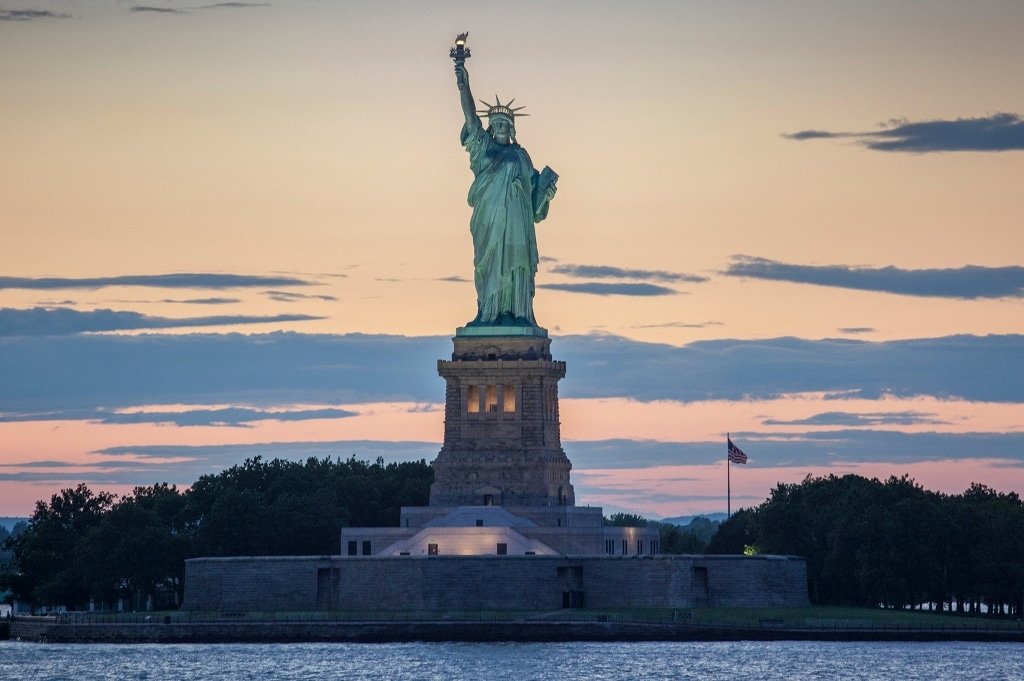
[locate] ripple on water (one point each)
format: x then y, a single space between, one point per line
542 661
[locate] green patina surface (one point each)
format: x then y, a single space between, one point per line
491 330
509 196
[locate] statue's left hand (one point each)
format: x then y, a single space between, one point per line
549 193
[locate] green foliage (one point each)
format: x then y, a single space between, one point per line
734 534
46 563
85 547
892 543
625 520
688 539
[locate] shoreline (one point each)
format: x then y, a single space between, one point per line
48 630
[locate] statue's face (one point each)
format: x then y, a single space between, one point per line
501 129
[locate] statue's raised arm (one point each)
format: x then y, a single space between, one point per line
466 95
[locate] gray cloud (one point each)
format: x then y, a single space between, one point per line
998 132
292 297
454 279
178 280
56 373
40 321
231 416
228 416
679 325
619 289
987 368
856 329
188 463
183 464
235 5
30 14
968 282
878 446
608 272
841 418
202 301
774 449
160 10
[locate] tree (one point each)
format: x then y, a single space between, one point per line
625 520
137 551
734 534
48 568
84 547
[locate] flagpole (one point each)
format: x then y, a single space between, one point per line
728 482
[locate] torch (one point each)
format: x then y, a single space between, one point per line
460 53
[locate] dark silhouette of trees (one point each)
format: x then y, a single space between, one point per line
673 539
625 520
84 547
893 543
47 565
866 542
734 534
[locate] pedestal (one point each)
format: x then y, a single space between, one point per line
502 444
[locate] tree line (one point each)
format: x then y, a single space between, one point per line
892 543
866 542
692 538
93 547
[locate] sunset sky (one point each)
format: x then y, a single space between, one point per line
237 229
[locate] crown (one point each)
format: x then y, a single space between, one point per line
501 109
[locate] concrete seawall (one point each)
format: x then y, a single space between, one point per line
47 630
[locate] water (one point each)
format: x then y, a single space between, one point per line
541 661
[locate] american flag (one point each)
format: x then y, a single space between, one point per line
736 454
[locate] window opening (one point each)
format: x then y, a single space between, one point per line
509 397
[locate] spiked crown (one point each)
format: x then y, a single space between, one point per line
499 109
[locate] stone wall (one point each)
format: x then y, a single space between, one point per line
491 582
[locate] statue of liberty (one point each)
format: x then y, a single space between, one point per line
508 196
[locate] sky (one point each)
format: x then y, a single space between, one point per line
238 229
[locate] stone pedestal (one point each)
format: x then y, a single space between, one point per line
501 431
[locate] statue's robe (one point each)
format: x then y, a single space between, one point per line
504 238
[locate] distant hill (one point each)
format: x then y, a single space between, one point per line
684 520
9 523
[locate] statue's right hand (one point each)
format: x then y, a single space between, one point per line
460 74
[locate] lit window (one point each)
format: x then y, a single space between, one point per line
509 406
